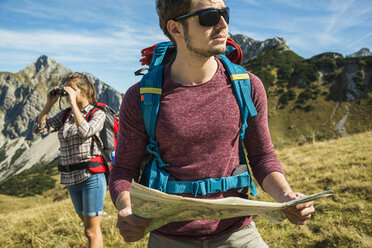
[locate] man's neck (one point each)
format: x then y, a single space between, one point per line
192 70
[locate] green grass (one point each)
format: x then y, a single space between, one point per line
55 224
292 126
344 220
9 204
36 180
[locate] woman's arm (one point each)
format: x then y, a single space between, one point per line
42 124
51 100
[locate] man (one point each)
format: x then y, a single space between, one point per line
198 133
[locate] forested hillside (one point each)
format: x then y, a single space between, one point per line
319 98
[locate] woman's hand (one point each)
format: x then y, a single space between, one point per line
51 100
72 93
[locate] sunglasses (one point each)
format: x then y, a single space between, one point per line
208 17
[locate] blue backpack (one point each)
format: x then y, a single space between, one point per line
154 175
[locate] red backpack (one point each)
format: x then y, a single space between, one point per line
107 136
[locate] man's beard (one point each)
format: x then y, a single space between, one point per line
207 53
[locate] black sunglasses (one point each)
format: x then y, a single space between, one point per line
208 17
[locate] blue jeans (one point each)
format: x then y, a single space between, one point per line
88 196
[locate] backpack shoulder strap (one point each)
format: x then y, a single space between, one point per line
96 107
242 88
159 53
153 176
66 114
89 116
243 91
150 93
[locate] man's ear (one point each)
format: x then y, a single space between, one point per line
175 29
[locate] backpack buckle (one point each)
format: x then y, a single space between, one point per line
218 185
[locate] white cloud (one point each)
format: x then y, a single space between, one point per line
116 45
338 9
358 40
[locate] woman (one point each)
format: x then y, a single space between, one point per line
78 148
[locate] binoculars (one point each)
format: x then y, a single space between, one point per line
59 91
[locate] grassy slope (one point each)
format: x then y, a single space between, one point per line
343 165
289 125
345 220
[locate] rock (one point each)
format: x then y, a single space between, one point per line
345 88
361 53
252 48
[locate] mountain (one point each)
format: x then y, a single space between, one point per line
319 98
362 52
252 48
22 97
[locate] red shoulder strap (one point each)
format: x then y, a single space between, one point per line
66 114
98 105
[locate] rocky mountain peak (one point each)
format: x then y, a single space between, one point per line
252 48
42 62
43 69
361 53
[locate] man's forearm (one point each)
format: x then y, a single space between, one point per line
276 186
123 200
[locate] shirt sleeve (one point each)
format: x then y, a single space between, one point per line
50 125
261 154
88 129
132 141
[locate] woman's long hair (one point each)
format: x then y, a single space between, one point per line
84 84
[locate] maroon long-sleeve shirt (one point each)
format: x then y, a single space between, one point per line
198 134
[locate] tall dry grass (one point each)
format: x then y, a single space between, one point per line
343 165
345 220
56 225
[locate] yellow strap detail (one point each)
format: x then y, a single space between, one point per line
150 90
239 76
245 151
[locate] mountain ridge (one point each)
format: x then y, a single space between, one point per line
252 48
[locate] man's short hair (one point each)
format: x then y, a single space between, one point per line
170 9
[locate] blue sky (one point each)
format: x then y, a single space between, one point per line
105 37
